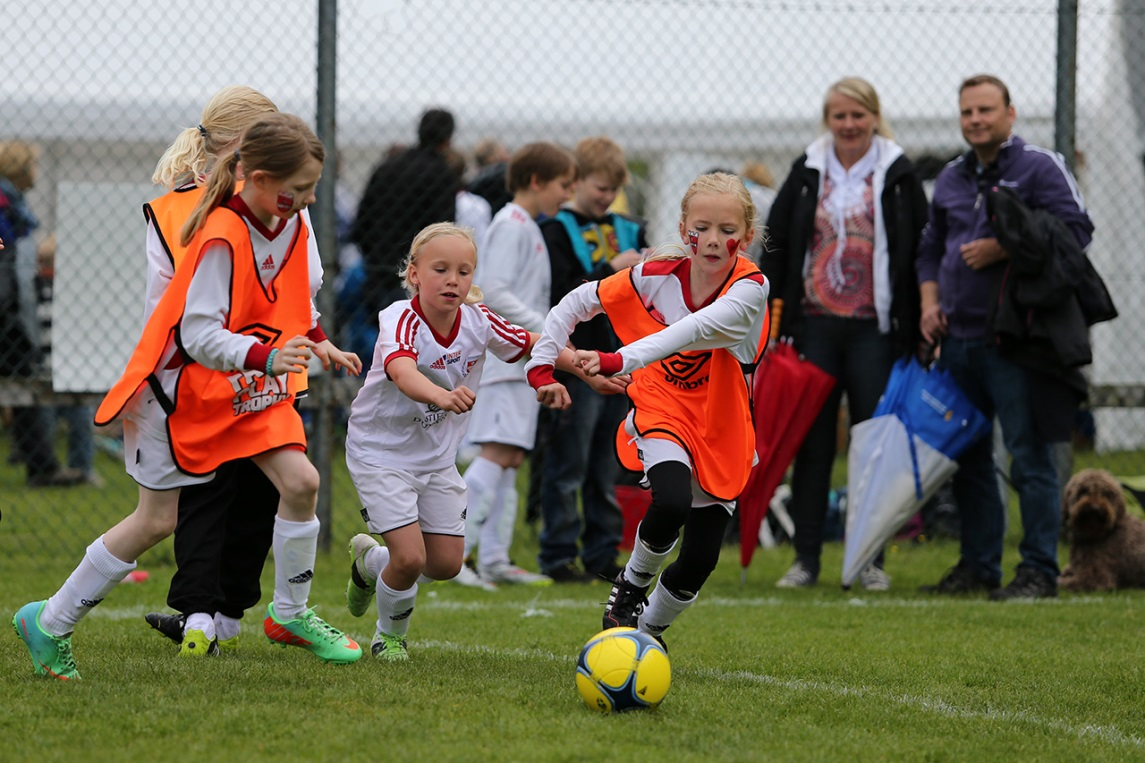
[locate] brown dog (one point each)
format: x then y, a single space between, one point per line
1106 545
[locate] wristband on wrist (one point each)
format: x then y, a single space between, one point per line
540 376
270 362
610 363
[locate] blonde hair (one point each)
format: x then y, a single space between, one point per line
600 155
429 233
278 144
716 184
226 115
863 93
758 173
18 161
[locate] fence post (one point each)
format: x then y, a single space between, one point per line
326 229
1065 112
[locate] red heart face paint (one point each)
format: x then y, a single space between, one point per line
694 241
733 247
285 201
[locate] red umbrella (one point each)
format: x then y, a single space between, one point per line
788 392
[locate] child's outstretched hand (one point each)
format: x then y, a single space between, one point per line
293 357
332 356
457 400
609 385
587 361
554 396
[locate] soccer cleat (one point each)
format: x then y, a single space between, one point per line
51 655
389 647
229 644
170 626
360 589
507 572
468 576
196 644
625 604
313 634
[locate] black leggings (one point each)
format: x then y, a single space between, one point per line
703 526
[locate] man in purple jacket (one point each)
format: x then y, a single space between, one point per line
960 270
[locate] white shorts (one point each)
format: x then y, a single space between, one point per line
657 450
393 498
146 449
505 413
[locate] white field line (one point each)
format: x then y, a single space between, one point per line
1108 734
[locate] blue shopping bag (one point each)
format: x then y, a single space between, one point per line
933 408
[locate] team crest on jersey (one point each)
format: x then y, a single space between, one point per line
686 370
470 362
255 391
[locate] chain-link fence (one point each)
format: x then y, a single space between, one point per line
99 89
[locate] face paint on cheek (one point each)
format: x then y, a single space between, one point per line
694 241
733 247
285 201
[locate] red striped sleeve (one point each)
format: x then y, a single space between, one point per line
510 332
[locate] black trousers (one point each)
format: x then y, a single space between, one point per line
222 539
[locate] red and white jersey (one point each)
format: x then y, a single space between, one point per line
389 429
733 321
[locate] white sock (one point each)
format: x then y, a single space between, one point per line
662 609
96 575
226 628
482 481
200 621
295 546
497 534
422 579
375 560
395 608
644 563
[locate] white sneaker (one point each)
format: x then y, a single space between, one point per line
798 576
469 577
507 572
874 579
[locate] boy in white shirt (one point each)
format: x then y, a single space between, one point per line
515 276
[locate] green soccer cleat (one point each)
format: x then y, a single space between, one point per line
229 644
51 655
389 647
196 644
313 634
360 589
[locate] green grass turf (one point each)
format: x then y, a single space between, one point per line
758 673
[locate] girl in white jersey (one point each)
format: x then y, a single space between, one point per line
407 423
691 324
229 400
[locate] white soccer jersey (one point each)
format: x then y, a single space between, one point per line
733 321
513 272
389 429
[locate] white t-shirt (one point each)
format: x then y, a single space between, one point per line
513 272
389 429
733 321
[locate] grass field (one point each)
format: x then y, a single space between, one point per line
758 673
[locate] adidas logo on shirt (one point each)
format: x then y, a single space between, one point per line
438 365
268 263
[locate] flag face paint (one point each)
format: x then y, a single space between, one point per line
285 201
694 241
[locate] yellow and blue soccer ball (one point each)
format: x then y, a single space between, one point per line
622 669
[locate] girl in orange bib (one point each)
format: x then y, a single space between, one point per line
241 312
692 322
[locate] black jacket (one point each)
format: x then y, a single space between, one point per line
791 223
406 193
1049 296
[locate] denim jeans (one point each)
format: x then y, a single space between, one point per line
860 359
1000 388
581 457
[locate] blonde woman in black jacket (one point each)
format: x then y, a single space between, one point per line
842 239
